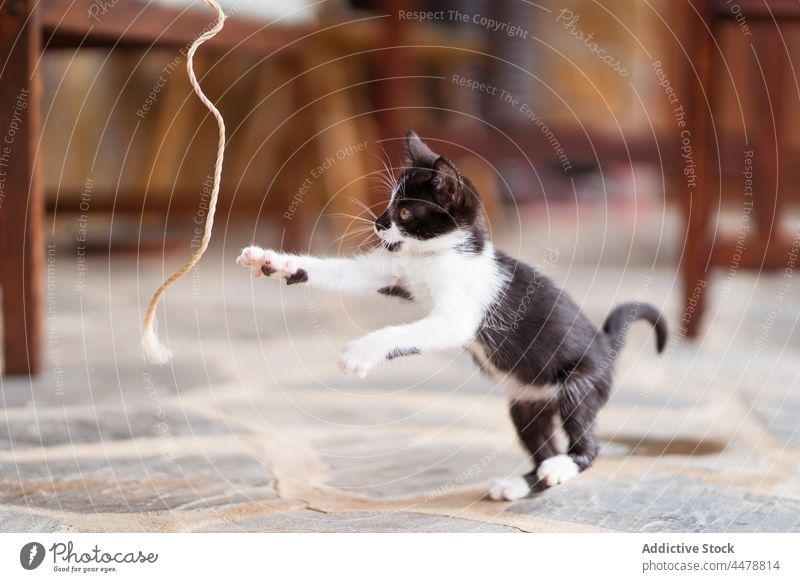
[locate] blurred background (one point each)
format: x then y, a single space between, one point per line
630 149
578 108
509 90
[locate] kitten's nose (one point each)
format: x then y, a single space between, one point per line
382 222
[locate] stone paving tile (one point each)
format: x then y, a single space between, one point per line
781 419
392 467
135 485
362 409
124 382
100 425
663 503
21 522
777 406
358 522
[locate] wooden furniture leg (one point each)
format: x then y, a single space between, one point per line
701 200
21 193
772 245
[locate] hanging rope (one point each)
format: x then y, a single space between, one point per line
154 351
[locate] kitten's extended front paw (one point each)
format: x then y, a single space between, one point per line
253 258
267 262
358 357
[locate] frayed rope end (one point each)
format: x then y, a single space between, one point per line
153 351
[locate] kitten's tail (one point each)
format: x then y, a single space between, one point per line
620 319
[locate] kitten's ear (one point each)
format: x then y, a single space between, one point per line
420 154
447 180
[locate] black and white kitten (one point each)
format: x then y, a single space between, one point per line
520 327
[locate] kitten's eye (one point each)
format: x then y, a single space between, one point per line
405 214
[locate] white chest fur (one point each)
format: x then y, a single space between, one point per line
461 284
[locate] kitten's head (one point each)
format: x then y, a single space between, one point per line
432 207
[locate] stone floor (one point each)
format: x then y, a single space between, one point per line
254 428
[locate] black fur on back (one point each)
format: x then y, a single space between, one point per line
536 331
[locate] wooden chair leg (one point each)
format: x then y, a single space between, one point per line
21 192
700 201
767 203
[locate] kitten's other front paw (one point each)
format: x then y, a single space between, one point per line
358 357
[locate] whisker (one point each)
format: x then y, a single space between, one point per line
389 180
384 159
383 181
354 231
381 249
351 216
365 207
363 243
368 237
351 234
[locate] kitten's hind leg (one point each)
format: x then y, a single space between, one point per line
579 401
534 421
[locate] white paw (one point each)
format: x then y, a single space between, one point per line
509 489
558 469
358 357
252 257
266 262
